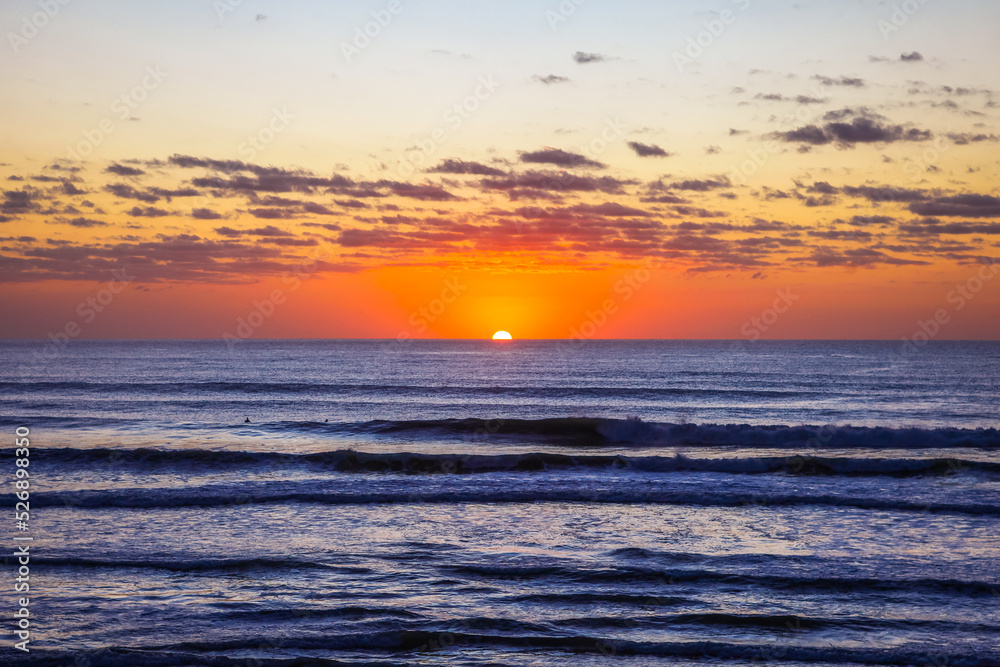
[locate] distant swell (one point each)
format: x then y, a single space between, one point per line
415 463
638 432
224 495
586 431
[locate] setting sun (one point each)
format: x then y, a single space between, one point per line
502 335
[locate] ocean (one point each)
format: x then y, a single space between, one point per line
505 503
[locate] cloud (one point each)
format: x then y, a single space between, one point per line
700 185
550 79
841 81
800 99
559 158
554 182
858 257
610 209
454 166
16 202
272 213
317 209
422 192
82 222
883 193
965 205
205 214
841 234
696 212
169 194
71 189
323 225
863 127
912 57
268 231
934 227
870 220
350 203
964 138
177 258
647 150
147 212
128 192
124 170
587 58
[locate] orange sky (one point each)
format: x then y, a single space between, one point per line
562 179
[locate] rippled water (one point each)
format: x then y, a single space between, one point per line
520 503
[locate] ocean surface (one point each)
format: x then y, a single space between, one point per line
507 503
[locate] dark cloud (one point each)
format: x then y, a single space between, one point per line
700 185
663 199
912 57
178 258
268 231
841 81
16 202
559 158
272 213
226 166
550 79
696 212
128 192
422 192
168 193
588 58
647 150
800 99
870 220
351 203
965 205
963 138
277 181
323 225
610 209
82 222
934 227
858 257
147 212
822 187
317 209
554 181
861 129
454 166
883 193
205 214
124 170
70 189
841 235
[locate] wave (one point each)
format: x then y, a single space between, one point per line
323 389
697 577
197 564
425 641
310 493
588 431
417 463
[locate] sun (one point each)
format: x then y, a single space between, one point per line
502 335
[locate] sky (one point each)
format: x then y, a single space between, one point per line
736 169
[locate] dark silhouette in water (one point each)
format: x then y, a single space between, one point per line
247 421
